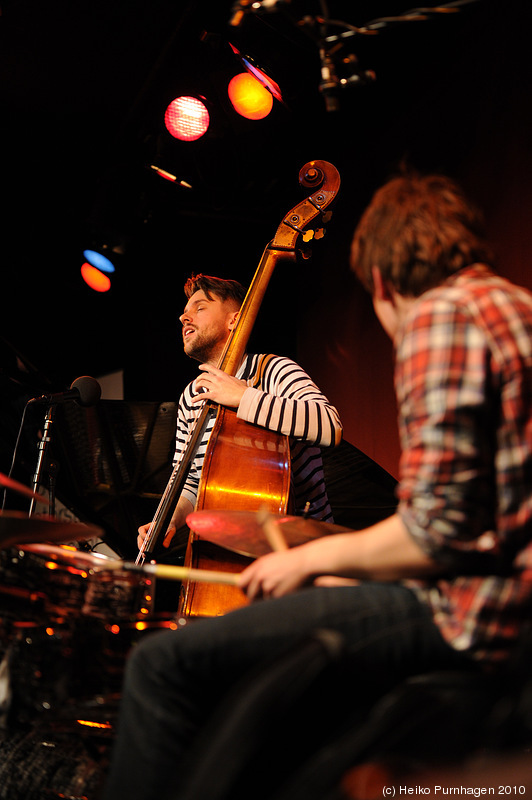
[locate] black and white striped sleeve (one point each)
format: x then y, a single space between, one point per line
290 403
187 414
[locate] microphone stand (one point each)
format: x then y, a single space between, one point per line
45 441
53 469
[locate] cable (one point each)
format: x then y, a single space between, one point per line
17 442
375 26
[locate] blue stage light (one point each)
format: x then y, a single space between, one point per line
99 260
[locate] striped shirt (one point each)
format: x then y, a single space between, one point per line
287 402
464 388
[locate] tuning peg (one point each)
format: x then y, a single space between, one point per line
326 217
319 233
308 235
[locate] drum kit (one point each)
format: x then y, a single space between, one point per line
68 618
50 589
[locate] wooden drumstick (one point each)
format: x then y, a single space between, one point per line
271 530
174 573
191 574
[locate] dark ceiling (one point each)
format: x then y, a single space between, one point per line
84 87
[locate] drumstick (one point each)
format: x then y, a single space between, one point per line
192 574
271 530
174 573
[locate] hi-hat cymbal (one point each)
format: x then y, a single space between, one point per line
17 528
69 555
242 532
9 483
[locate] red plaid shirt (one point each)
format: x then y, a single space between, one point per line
464 388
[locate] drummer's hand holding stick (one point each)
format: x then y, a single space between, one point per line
285 569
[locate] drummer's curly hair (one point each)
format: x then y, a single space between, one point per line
418 230
224 288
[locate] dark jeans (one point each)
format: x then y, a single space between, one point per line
174 679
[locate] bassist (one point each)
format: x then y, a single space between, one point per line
270 391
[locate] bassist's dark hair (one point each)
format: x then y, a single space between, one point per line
223 288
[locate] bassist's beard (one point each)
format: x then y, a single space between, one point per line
203 348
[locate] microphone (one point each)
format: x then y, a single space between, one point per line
86 391
329 83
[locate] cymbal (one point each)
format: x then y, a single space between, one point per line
241 531
68 555
9 483
17 528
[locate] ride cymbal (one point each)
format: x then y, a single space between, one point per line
242 531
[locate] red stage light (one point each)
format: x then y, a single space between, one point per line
94 278
249 97
186 118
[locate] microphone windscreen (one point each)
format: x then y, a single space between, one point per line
89 390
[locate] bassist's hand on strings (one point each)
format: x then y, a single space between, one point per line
183 508
216 385
143 532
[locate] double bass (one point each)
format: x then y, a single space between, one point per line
246 467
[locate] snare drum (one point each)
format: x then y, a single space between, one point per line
66 582
73 620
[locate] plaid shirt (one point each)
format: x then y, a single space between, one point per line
464 388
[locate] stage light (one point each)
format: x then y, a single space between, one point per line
249 97
169 176
99 261
187 119
251 66
94 278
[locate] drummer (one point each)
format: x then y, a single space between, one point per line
270 391
441 584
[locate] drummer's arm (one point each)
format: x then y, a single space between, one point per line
384 552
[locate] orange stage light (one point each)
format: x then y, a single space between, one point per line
94 278
249 97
